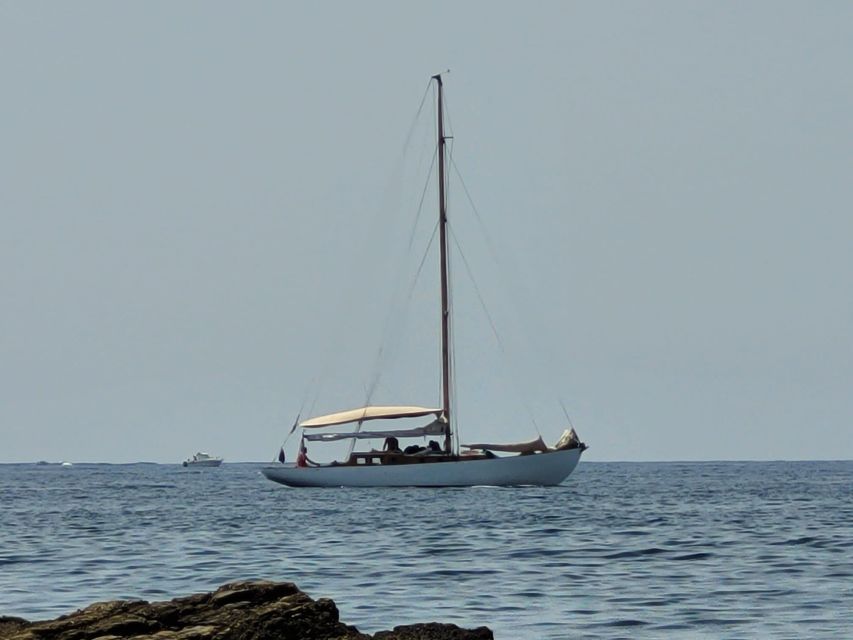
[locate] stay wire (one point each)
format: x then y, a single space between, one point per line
388 318
494 329
416 118
423 197
386 329
413 284
489 242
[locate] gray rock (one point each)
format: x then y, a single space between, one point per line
251 610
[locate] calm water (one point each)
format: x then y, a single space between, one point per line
623 550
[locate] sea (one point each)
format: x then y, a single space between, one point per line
620 550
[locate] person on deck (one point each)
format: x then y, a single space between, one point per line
392 445
302 459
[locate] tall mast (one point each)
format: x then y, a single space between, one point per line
445 302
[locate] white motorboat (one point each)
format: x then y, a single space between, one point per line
202 459
445 462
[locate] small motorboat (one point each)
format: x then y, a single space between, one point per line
202 459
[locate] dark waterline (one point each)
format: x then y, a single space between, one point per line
749 549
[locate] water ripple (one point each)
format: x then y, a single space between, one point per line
622 550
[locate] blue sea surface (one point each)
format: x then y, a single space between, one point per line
621 550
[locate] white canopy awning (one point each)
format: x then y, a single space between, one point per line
435 428
368 413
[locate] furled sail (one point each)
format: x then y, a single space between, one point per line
568 440
435 428
530 446
367 413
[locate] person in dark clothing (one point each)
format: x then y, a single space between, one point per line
392 445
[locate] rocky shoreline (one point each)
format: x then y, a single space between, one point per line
248 610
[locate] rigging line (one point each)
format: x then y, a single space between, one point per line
500 341
385 329
351 447
327 366
417 117
447 120
497 256
420 159
477 291
477 215
296 421
566 413
375 382
290 433
352 442
451 334
313 382
423 261
438 345
453 382
423 197
385 333
414 228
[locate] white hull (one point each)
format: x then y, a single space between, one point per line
202 463
542 469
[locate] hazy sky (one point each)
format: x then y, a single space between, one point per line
202 203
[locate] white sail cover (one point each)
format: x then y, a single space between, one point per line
530 446
367 413
435 428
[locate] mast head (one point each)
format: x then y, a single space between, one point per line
437 76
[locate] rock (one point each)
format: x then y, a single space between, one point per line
252 610
8 624
434 631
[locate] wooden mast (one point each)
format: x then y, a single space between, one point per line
445 302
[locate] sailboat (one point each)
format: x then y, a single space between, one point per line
445 462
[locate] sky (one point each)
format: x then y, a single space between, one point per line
204 207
